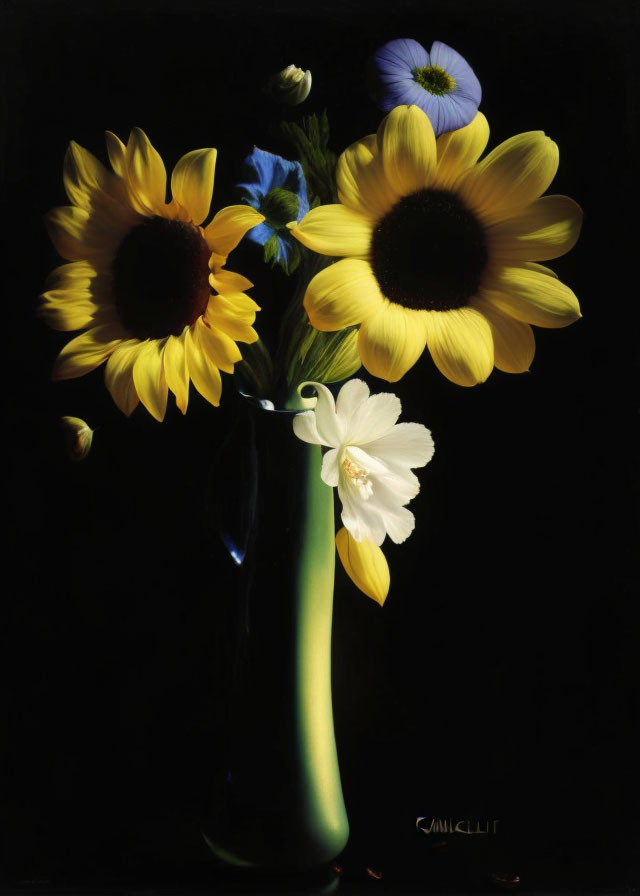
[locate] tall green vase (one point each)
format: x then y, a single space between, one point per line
279 804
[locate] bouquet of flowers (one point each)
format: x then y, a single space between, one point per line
408 243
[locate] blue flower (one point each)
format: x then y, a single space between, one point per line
277 189
441 82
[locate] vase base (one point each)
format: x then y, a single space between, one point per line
264 841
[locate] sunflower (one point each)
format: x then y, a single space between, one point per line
442 250
146 282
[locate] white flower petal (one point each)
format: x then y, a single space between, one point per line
351 396
399 524
330 472
407 444
404 483
327 423
304 426
365 460
373 419
363 521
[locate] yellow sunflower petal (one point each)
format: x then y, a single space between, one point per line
546 229
235 303
461 344
334 230
88 351
192 182
459 150
361 180
218 346
117 152
365 564
234 326
533 266
118 375
149 379
79 238
391 341
175 369
511 176
76 298
223 281
76 275
203 372
407 148
514 344
75 314
343 294
82 175
532 297
146 172
229 226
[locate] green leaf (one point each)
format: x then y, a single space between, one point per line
318 161
270 249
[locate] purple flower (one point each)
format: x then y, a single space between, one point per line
440 82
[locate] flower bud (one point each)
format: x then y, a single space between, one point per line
365 564
78 437
291 86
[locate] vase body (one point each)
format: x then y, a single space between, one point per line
279 802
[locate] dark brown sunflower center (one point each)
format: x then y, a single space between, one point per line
429 252
161 277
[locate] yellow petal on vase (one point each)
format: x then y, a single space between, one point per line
407 148
118 375
87 351
513 175
461 344
392 340
229 226
460 149
192 182
546 229
365 564
334 230
531 296
149 379
514 344
146 172
223 281
362 184
218 346
203 372
343 294
176 370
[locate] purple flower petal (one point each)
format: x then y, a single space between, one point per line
399 57
454 64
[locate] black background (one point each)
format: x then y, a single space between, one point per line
500 679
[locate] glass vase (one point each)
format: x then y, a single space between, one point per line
279 803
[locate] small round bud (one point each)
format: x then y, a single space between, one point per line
78 437
291 86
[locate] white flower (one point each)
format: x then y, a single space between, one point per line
370 458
